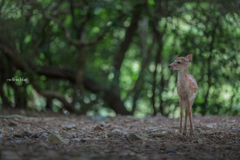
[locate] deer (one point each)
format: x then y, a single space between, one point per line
186 90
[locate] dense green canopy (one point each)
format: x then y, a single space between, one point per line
110 56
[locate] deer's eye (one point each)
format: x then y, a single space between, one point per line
178 62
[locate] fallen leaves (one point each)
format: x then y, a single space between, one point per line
121 137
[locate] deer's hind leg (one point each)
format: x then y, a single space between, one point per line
185 123
190 117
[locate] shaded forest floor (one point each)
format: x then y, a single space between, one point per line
121 137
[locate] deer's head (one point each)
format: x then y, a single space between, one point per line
181 63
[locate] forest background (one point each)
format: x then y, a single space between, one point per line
110 57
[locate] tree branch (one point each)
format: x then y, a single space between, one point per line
113 100
4 117
17 60
85 20
2 3
54 94
96 40
67 33
57 21
21 65
72 14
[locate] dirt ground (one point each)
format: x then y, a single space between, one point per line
121 137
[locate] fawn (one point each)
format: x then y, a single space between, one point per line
186 89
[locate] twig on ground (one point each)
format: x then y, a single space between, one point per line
35 134
157 135
27 123
127 139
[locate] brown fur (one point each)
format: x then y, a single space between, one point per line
186 89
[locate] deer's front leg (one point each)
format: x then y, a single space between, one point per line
181 115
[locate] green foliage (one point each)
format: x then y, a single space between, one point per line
208 30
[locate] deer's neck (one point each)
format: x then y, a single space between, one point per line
182 77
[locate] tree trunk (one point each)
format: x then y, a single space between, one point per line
79 74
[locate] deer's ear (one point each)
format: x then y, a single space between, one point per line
189 57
